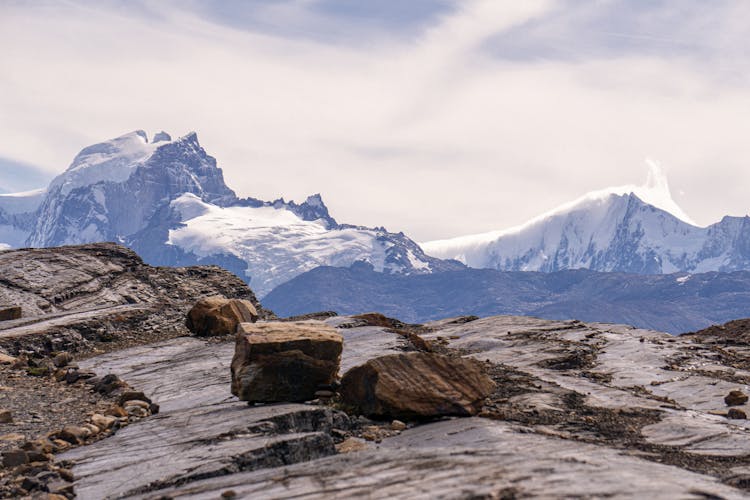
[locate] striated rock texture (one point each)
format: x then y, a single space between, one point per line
102 292
220 316
284 361
579 411
416 385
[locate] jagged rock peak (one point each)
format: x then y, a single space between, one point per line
161 136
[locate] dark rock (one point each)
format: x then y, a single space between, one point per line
10 312
736 414
284 361
107 384
62 359
6 417
31 484
14 458
220 316
133 396
416 385
735 398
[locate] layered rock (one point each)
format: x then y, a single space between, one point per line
220 316
416 385
284 361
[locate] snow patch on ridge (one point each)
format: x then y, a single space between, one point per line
263 235
655 192
113 160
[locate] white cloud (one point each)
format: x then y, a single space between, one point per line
433 133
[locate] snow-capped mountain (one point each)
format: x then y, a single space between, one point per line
626 229
167 200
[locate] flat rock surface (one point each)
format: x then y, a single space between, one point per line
580 410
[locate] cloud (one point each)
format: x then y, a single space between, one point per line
471 117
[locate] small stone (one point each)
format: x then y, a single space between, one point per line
351 444
138 403
37 456
13 436
736 414
60 487
14 458
6 417
229 494
60 445
116 411
8 313
62 359
38 445
398 425
153 408
55 496
131 396
735 398
66 474
103 422
136 411
31 484
74 434
370 436
93 428
5 359
107 384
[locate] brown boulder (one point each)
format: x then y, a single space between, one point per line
736 414
10 312
416 385
220 316
735 398
284 361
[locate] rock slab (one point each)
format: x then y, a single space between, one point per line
220 316
284 361
416 385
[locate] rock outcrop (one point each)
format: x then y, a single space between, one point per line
284 361
102 292
416 385
220 316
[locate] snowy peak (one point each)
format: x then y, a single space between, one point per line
636 229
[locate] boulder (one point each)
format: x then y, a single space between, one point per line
220 316
416 385
9 312
284 361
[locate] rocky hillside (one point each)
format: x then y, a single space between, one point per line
672 303
101 292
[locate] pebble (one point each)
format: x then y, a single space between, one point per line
116 411
139 403
351 444
133 395
398 425
103 422
14 458
62 359
6 417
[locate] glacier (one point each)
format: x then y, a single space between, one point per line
632 229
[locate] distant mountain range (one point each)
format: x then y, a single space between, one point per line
628 229
674 303
167 200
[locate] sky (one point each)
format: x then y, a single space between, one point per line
438 118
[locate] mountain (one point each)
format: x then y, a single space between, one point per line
167 200
627 229
673 303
